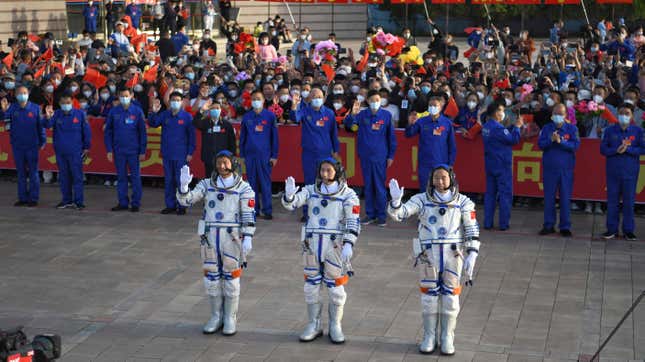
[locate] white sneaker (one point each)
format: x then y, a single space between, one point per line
574 207
107 183
598 209
588 209
115 183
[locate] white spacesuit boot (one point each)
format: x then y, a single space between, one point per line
335 318
313 329
448 324
230 315
429 333
215 322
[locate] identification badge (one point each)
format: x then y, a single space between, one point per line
259 128
404 104
376 126
436 132
129 121
216 129
320 123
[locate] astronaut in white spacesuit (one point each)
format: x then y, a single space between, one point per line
328 238
448 230
226 230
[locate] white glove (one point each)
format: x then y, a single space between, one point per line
396 192
469 265
347 252
184 179
247 244
290 188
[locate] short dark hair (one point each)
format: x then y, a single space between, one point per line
372 92
176 94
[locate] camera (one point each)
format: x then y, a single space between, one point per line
15 346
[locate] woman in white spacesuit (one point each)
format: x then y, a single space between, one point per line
447 229
328 238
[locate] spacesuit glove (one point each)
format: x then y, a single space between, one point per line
396 192
184 179
247 244
290 188
347 252
469 265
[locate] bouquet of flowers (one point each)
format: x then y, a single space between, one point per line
586 109
245 43
325 53
276 110
386 44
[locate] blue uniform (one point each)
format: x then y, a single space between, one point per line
258 145
177 143
72 135
558 163
622 173
319 139
376 145
90 13
498 157
134 13
27 135
125 136
436 145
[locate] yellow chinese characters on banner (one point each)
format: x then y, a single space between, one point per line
153 154
529 164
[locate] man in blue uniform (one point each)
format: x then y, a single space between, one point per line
498 158
90 13
559 142
623 145
177 146
72 137
376 147
125 141
319 135
132 10
27 135
259 149
436 140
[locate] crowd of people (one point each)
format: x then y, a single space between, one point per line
508 88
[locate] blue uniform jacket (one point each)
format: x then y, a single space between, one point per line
376 137
498 145
27 129
319 130
90 12
559 156
467 118
259 135
177 134
134 13
125 131
626 49
627 163
436 140
72 133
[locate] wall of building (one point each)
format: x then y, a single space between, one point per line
33 16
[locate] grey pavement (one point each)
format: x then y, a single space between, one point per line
127 287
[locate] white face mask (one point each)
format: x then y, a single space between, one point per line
569 103
434 110
550 102
338 106
305 94
508 102
472 105
383 102
360 98
597 98
480 95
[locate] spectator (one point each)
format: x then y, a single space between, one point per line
217 134
90 14
132 10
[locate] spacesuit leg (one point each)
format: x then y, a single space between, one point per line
212 284
428 285
313 279
335 278
231 270
449 309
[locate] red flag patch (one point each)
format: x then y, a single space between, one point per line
473 215
356 209
251 203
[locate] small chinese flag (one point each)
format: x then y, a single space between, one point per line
363 62
95 77
606 114
8 60
451 108
40 72
150 75
48 54
133 81
329 72
34 38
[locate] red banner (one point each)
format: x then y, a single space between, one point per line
522 2
527 162
367 1
399 2
561 2
438 2
332 1
615 1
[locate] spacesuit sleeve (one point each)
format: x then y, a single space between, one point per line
247 211
352 211
195 195
299 199
471 227
404 211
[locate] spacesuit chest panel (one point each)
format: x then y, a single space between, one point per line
222 206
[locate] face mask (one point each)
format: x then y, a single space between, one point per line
274 33
406 35
265 41
73 88
412 94
624 120
480 95
268 78
557 119
360 98
83 105
317 102
338 106
383 102
375 106
338 91
57 82
472 105
49 89
215 112
503 116
284 98
125 101
433 110
105 96
280 81
355 89
257 104
508 101
550 102
594 49
629 101
9 85
597 98
87 94
305 94
112 88
534 104
425 89
175 105
190 76
22 98
66 107
232 93
302 37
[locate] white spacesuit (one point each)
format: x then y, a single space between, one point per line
447 228
333 224
226 230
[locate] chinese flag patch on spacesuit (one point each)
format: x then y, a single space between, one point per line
251 203
356 209
473 215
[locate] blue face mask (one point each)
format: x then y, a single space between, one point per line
66 107
9 85
375 106
412 94
425 89
215 113
257 104
557 119
175 105
317 102
22 98
125 101
190 76
624 120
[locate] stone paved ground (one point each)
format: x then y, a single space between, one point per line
119 286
